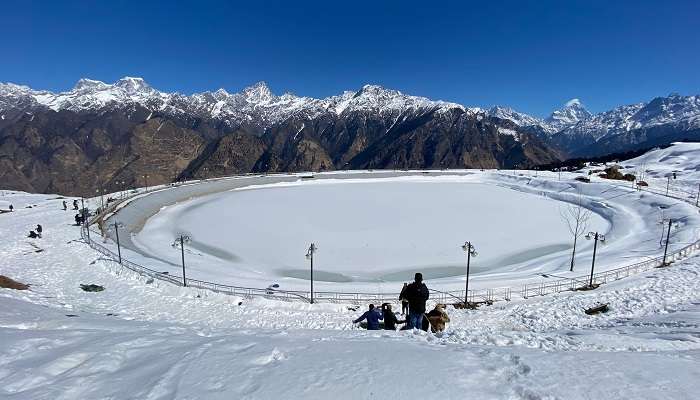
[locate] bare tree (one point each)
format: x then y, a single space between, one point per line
576 217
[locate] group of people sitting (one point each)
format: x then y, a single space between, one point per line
415 296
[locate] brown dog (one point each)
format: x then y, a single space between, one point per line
438 318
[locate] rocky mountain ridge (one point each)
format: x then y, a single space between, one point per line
109 136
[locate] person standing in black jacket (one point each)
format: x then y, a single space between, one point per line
417 294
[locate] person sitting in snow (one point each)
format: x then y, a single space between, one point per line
390 319
78 219
32 235
372 316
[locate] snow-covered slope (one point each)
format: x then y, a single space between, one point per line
149 340
520 119
681 158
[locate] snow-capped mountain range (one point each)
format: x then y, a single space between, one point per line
98 134
570 127
118 132
256 102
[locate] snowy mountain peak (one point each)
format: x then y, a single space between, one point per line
376 89
518 118
573 112
132 85
88 84
258 93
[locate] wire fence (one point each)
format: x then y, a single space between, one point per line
449 297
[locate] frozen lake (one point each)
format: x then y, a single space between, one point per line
367 230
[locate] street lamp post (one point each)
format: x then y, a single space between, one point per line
101 191
183 239
116 226
596 238
310 256
662 222
84 214
145 178
468 248
668 238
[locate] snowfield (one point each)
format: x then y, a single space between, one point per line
144 339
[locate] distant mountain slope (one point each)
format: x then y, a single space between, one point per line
661 121
577 133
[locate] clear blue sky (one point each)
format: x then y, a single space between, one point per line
531 55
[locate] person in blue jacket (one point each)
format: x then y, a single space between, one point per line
372 316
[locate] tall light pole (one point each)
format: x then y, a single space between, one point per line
84 214
310 256
116 226
662 222
182 238
596 238
100 191
468 248
697 199
668 238
145 177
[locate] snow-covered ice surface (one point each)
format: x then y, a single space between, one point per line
141 340
375 230
367 229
